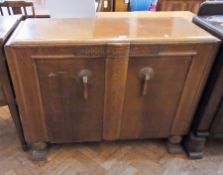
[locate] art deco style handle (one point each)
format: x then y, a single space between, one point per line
145 75
85 87
145 84
85 77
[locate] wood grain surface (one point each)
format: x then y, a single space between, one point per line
123 158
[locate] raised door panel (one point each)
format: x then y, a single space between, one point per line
151 101
72 92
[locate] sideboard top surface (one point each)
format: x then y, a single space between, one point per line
7 24
109 30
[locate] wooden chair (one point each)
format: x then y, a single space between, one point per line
100 4
16 7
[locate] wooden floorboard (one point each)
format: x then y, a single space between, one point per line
148 157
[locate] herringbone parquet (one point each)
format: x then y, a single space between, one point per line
122 158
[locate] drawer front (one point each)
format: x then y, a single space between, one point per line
153 90
72 92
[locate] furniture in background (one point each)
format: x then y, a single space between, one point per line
179 5
39 9
208 120
163 5
17 7
7 26
112 81
121 5
106 5
183 14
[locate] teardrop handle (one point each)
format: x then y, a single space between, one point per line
85 79
85 87
145 85
145 75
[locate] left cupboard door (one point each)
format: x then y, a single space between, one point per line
72 95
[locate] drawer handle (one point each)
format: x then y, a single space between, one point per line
85 86
145 75
85 79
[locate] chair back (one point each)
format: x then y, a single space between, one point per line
16 7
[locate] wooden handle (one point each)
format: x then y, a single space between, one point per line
85 87
145 84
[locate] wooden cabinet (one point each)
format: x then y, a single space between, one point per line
179 5
7 96
132 78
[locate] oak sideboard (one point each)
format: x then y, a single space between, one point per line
84 80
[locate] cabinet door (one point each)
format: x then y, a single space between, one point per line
72 92
153 90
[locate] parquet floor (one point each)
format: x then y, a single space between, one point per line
125 158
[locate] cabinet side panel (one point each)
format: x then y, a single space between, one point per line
22 74
197 76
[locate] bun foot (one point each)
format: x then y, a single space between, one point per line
174 146
39 151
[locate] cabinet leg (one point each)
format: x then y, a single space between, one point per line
39 151
194 146
173 145
25 147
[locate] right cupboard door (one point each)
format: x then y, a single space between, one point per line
153 90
